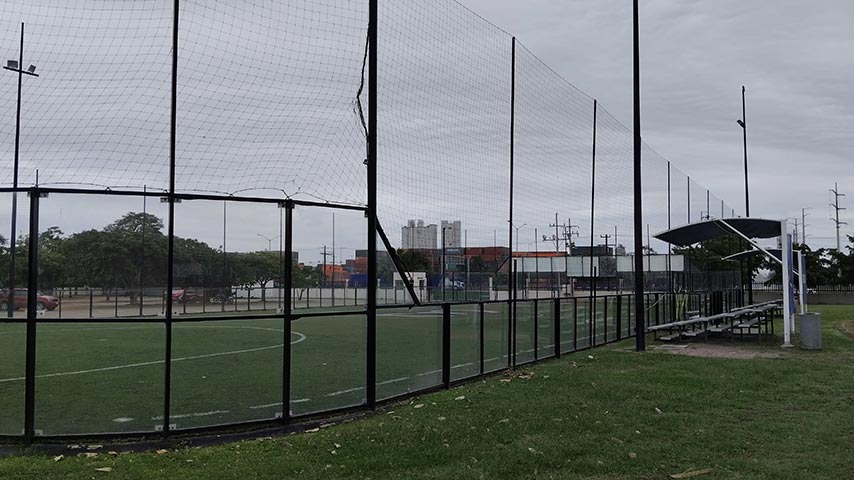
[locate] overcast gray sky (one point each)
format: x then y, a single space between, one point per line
795 58
266 100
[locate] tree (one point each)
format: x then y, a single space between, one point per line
51 258
414 260
820 267
129 253
709 256
197 264
257 268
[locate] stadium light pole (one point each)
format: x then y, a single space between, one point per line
269 240
743 124
517 231
16 66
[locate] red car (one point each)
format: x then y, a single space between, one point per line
183 296
43 302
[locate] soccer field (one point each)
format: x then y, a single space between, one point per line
109 377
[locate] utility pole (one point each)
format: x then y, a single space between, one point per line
795 238
837 208
563 235
606 237
804 226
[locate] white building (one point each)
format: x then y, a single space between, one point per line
417 235
453 233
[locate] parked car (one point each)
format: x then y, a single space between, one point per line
43 302
184 296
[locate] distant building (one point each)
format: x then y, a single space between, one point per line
417 235
452 232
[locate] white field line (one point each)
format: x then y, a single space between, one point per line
190 415
47 329
393 380
279 404
342 392
256 407
157 362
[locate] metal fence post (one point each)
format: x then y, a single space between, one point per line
536 330
371 360
619 307
287 307
605 318
480 338
32 299
446 345
574 324
511 279
170 251
557 326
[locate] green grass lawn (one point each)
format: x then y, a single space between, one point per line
605 413
109 377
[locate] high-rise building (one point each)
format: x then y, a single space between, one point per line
452 233
417 235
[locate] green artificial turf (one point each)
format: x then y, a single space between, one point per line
603 413
109 377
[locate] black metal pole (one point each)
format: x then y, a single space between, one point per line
446 345
480 335
32 298
511 320
640 328
592 287
669 246
170 252
743 123
371 367
281 256
556 320
287 280
142 254
10 311
444 266
226 284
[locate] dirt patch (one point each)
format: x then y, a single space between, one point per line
717 351
846 328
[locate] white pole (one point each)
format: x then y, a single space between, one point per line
787 259
802 273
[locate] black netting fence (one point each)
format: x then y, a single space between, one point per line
207 262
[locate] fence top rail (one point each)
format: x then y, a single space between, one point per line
185 196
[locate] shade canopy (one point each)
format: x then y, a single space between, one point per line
690 234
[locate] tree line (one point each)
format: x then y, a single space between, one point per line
824 266
130 255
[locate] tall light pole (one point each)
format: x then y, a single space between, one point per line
269 240
743 124
517 231
17 67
